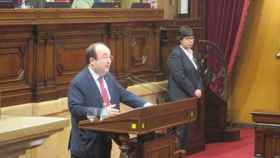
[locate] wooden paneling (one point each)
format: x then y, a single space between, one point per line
141 48
135 47
61 52
42 49
159 148
215 116
267 134
16 60
196 139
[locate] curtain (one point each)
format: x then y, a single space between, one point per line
225 23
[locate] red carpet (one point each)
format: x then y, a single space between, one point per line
241 149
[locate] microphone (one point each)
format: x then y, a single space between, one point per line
137 80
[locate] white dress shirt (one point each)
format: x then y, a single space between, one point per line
189 54
95 76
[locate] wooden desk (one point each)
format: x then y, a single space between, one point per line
42 49
17 134
267 134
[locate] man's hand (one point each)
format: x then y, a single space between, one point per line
109 111
198 93
112 111
148 104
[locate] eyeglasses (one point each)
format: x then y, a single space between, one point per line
189 38
106 57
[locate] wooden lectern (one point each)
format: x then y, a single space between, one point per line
143 122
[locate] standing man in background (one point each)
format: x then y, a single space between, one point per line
184 79
93 92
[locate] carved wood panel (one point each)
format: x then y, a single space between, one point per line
16 58
141 49
42 50
116 43
62 55
11 59
267 134
159 148
135 47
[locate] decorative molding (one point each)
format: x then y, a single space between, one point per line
75 16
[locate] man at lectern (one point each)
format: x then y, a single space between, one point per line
184 79
95 92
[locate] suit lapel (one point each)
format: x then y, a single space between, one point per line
93 88
188 60
187 63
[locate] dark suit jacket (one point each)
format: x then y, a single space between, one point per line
183 78
83 96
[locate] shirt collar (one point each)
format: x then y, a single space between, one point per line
93 74
188 52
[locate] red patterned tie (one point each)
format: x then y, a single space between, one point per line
104 92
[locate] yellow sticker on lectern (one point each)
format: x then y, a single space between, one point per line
142 125
133 126
192 114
